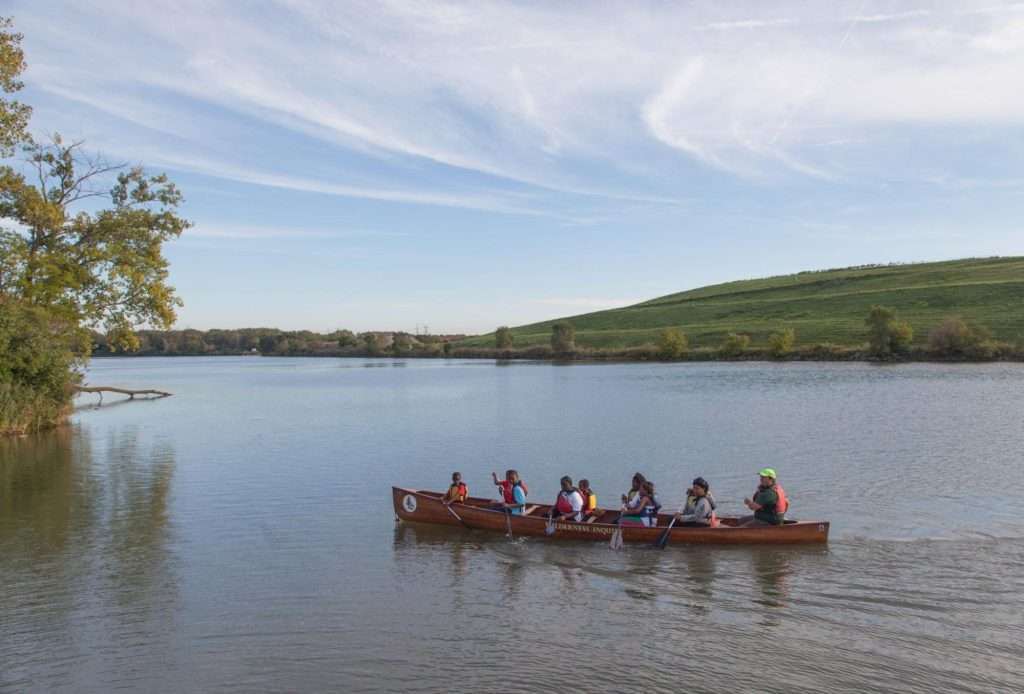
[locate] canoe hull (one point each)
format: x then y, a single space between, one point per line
416 506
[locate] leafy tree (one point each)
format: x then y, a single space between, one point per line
346 338
89 268
401 343
13 115
734 345
503 337
672 343
563 338
781 343
372 343
886 334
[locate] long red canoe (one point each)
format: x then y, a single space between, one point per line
478 514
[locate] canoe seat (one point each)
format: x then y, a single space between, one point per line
530 509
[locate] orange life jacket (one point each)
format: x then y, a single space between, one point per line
782 505
461 491
589 500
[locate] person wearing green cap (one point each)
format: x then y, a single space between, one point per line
769 503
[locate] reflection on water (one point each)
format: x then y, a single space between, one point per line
83 536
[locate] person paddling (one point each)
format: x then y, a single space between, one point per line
631 500
769 503
644 512
513 491
569 504
700 506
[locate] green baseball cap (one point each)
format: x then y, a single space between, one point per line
767 472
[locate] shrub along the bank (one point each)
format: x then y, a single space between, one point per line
734 345
38 367
672 343
887 336
781 343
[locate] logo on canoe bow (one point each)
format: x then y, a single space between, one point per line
821 527
409 503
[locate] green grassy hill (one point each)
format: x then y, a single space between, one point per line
821 306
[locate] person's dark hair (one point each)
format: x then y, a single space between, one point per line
566 479
702 483
639 477
511 473
584 483
648 487
456 476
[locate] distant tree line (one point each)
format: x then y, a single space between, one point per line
274 342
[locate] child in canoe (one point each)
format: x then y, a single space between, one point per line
457 492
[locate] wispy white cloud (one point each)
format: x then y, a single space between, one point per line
541 95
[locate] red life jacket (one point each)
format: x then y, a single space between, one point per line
563 505
506 490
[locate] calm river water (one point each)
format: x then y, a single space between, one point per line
239 536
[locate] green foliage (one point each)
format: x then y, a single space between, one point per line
503 337
373 343
38 366
401 343
781 343
672 343
89 268
734 345
886 334
346 338
563 338
13 115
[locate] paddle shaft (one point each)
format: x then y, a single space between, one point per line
663 540
457 516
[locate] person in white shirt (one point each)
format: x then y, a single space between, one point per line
569 504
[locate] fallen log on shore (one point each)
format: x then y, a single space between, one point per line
122 391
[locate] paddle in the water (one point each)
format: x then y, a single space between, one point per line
616 541
662 541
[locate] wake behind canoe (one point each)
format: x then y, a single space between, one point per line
478 514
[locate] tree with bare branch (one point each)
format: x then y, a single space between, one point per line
69 264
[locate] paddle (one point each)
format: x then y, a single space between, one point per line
508 522
663 540
549 527
616 541
457 516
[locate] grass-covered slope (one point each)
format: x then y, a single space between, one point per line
822 306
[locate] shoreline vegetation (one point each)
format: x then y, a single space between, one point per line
969 310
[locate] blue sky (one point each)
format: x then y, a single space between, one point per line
390 165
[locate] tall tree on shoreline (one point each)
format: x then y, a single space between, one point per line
65 270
